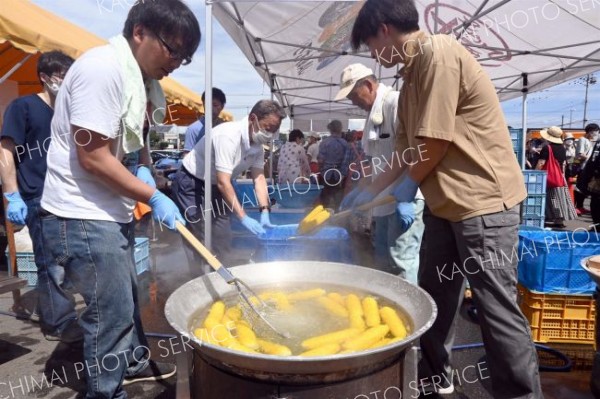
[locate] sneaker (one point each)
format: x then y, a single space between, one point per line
440 390
155 371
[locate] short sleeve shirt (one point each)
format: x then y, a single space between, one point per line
558 151
447 95
27 122
193 134
232 152
90 98
332 151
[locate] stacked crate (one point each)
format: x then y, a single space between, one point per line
533 209
555 292
516 136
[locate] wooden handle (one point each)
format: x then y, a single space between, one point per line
388 199
198 246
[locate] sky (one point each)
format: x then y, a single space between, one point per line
233 73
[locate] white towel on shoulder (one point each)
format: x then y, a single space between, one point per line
136 94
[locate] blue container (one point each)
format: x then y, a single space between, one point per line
277 217
549 261
535 181
295 195
534 207
244 190
516 136
141 253
327 244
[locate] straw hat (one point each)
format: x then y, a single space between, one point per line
569 136
553 134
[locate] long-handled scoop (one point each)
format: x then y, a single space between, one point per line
320 216
259 308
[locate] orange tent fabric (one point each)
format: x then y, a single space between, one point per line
26 30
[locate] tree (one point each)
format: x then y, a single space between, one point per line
163 145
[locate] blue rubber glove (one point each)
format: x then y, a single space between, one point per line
164 211
144 174
349 198
252 225
406 191
265 219
406 215
17 209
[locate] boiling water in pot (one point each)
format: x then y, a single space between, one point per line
303 319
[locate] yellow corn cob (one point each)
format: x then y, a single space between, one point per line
222 335
311 215
334 337
309 294
337 297
239 347
215 314
390 317
234 313
355 311
380 343
371 310
271 348
332 306
367 338
227 322
329 349
203 335
246 336
280 299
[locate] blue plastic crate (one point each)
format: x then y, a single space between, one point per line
326 244
550 261
535 181
295 195
26 267
141 254
534 207
516 136
533 222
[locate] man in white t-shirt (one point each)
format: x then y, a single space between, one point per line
236 147
89 194
397 242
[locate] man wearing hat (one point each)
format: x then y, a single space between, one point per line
397 241
558 201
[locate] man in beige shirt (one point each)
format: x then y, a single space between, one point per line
462 161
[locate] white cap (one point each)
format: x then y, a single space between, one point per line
350 75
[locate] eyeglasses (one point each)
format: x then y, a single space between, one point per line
173 54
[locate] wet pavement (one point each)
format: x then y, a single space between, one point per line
31 367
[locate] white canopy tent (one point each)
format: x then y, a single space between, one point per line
300 47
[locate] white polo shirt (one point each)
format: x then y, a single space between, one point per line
231 152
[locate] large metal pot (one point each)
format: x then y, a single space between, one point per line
203 291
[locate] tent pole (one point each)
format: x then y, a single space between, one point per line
524 90
272 142
14 68
207 212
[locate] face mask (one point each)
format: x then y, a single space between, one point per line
595 135
53 87
261 136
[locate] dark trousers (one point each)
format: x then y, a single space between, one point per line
480 250
188 194
579 198
595 208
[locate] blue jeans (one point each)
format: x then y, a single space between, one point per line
55 307
397 252
97 257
